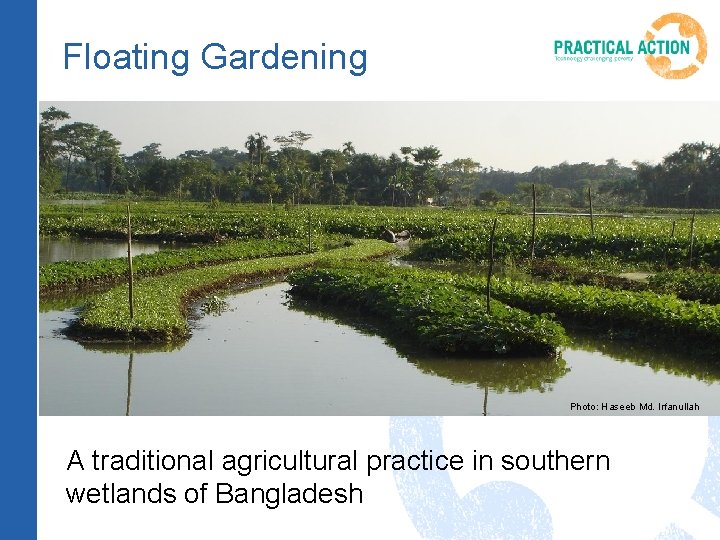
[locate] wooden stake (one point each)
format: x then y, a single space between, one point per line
534 225
592 221
309 232
692 238
129 386
490 266
485 402
672 233
130 270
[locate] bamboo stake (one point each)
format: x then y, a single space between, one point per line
309 232
129 385
490 266
130 270
592 221
692 238
534 225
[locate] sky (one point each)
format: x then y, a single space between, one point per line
505 135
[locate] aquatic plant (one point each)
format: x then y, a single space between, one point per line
431 310
69 274
688 284
161 302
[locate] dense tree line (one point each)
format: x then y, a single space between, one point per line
77 156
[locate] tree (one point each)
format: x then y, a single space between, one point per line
146 167
424 182
686 178
456 180
348 149
104 153
77 140
225 159
267 185
49 148
294 164
426 156
262 146
251 147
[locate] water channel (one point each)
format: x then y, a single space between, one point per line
73 249
263 355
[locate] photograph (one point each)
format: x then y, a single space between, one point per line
307 258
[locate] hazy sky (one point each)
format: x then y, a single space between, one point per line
507 135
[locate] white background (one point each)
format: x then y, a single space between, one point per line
416 50
655 465
502 51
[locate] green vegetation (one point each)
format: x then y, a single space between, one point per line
451 234
161 303
685 284
566 251
689 285
502 374
624 312
632 240
430 308
68 274
552 270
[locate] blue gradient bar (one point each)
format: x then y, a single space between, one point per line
18 496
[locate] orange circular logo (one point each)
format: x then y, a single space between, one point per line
688 28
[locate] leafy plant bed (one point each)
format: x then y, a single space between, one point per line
689 285
632 244
627 313
452 234
501 373
552 271
161 303
433 311
66 275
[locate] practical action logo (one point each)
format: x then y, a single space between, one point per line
675 47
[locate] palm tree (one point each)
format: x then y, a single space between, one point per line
261 146
348 149
251 145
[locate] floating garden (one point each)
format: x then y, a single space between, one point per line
655 277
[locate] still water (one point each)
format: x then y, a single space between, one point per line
264 357
73 249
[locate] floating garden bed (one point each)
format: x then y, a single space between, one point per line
161 303
431 310
65 275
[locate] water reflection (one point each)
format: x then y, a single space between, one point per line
75 249
129 385
260 357
499 374
67 300
701 364
506 375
